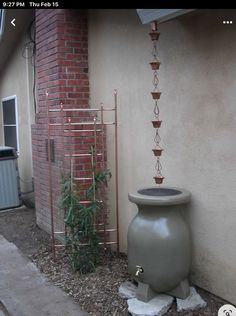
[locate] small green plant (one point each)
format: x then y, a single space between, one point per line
82 239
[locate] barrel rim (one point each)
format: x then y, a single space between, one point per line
183 196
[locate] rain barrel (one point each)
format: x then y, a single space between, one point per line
159 243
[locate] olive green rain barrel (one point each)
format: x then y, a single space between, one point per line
159 246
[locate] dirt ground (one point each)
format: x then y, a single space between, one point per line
19 226
97 293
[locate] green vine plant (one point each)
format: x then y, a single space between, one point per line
82 239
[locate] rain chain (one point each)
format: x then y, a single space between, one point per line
155 64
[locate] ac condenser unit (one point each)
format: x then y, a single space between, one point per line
9 178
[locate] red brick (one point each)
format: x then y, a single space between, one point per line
62 69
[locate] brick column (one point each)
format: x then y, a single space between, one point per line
62 70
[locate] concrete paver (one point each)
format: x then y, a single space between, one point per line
157 306
24 291
127 290
192 302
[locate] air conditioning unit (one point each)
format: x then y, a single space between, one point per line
9 179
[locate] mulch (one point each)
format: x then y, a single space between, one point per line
97 292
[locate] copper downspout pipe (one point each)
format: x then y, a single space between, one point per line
116 173
103 168
50 180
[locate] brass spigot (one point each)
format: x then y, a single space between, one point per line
139 270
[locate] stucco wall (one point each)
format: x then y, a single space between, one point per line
17 79
197 79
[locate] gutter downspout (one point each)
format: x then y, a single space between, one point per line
2 25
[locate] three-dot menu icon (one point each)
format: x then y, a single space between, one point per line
227 22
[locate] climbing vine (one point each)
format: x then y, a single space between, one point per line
82 239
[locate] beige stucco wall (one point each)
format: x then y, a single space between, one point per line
17 80
197 80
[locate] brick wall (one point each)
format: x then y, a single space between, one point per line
62 72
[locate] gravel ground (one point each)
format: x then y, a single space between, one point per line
97 293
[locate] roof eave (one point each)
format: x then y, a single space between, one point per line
160 15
